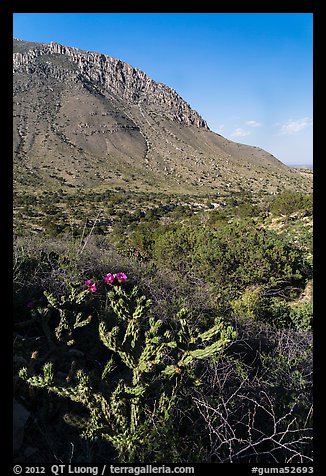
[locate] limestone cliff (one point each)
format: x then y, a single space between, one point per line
84 119
117 77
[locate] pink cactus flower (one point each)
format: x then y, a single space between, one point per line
92 288
89 282
121 277
109 278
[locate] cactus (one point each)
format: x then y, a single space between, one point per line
190 343
71 315
138 384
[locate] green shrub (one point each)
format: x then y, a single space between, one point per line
241 254
247 210
249 304
290 202
274 310
217 217
301 316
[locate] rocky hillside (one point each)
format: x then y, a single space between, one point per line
84 119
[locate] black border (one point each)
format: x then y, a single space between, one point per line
232 6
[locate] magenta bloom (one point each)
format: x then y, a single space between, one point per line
30 305
121 277
109 278
92 288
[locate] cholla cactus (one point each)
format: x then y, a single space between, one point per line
149 362
193 345
71 315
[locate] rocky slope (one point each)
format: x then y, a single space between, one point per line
84 119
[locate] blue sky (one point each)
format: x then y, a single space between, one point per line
249 75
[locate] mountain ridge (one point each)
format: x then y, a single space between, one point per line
133 85
86 119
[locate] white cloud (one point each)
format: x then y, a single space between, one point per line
220 128
239 132
292 127
253 124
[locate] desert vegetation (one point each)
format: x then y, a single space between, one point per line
163 328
